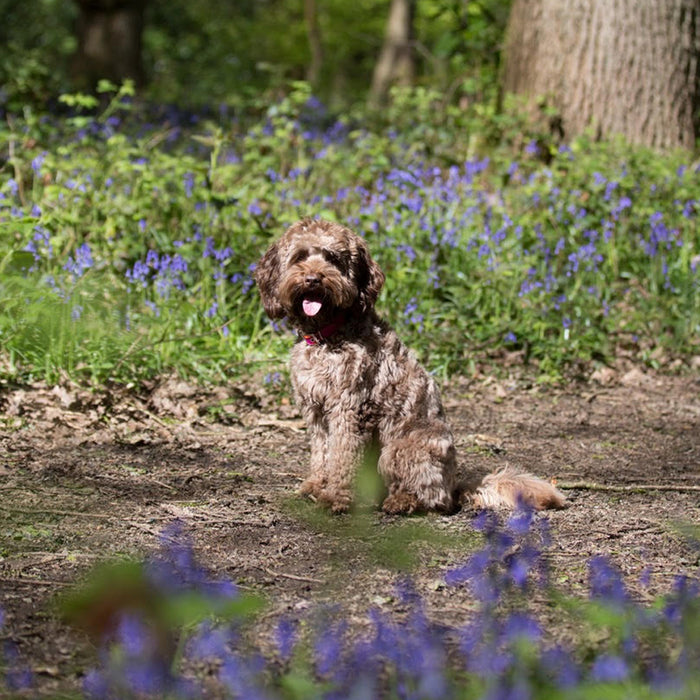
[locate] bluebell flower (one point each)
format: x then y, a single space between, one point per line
532 148
605 582
608 668
96 685
329 648
37 162
188 183
560 664
132 635
521 626
286 635
210 642
78 265
685 590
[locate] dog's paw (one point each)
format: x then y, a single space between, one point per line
312 488
337 501
401 503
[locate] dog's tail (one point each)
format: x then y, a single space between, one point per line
509 488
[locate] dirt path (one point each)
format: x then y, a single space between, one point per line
86 476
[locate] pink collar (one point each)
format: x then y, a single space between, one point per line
326 332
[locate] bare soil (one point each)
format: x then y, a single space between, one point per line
87 476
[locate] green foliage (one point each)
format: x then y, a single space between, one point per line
205 53
130 237
37 40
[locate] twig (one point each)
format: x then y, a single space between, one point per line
35 581
47 511
305 579
593 486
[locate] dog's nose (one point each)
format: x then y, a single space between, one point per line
312 280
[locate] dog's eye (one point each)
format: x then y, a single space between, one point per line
335 259
298 257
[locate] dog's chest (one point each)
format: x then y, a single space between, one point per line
323 375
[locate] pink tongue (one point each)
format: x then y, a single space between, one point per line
311 307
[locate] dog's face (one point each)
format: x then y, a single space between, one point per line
317 270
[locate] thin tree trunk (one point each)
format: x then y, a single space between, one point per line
395 63
627 67
313 30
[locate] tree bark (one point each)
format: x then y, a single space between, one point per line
109 42
313 30
627 67
396 62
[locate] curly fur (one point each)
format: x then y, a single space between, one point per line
357 385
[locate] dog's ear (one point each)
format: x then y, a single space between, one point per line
267 274
370 278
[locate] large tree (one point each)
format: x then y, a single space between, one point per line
628 67
109 41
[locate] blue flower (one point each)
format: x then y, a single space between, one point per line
286 634
188 182
210 642
78 265
329 647
606 582
37 162
608 668
520 626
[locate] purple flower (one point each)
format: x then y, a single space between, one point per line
286 634
210 643
608 668
329 647
562 666
79 264
188 182
37 162
132 635
605 582
96 685
521 626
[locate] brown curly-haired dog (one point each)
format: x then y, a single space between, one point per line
357 385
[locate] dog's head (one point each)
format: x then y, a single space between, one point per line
317 270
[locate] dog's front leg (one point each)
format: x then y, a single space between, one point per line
345 447
317 479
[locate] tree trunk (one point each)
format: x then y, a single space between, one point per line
627 67
313 72
395 63
109 42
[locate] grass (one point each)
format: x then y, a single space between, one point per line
130 238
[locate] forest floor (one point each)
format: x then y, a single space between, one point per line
87 476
